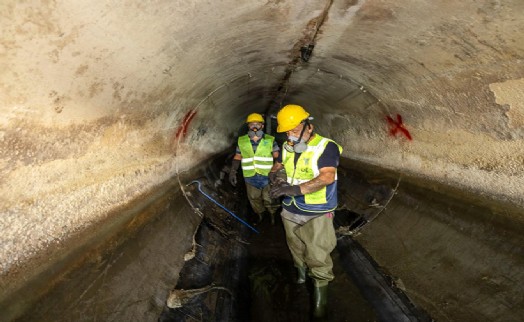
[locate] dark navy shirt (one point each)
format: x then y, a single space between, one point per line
329 158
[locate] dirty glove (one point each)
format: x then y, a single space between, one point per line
272 177
275 180
284 189
233 178
233 172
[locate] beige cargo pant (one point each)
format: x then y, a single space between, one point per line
311 245
260 200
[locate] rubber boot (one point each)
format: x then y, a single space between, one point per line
320 301
301 276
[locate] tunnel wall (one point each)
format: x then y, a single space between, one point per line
454 73
453 256
102 102
456 260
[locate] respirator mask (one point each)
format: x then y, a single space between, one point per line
297 145
255 130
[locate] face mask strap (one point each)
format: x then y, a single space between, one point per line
299 146
306 123
301 133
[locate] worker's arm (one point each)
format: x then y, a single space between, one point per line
325 177
327 164
327 172
277 166
235 164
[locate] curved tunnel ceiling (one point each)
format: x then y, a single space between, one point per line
102 102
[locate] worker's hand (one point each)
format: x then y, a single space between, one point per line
275 180
272 177
235 164
284 189
233 178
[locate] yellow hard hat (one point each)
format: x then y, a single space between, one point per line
290 116
255 117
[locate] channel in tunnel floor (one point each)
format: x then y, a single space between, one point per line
274 296
260 276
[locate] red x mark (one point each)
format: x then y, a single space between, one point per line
397 127
182 129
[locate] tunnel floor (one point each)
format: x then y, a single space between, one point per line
274 296
264 290
256 271
231 273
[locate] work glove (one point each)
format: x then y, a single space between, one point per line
284 189
272 177
274 180
233 172
233 178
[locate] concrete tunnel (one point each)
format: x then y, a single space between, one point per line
109 109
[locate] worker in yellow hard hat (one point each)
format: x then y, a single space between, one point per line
256 152
309 198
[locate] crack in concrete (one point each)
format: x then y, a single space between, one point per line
312 29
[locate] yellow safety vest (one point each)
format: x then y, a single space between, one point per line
260 161
306 169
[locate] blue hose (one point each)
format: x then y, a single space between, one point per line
232 214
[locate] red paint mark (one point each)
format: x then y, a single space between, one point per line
397 127
182 129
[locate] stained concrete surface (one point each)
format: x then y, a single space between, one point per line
104 102
125 280
133 281
448 252
265 291
274 296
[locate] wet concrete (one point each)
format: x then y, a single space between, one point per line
218 259
259 271
413 238
449 251
262 273
90 118
217 264
122 281
274 296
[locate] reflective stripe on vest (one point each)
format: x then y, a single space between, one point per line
260 161
306 169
